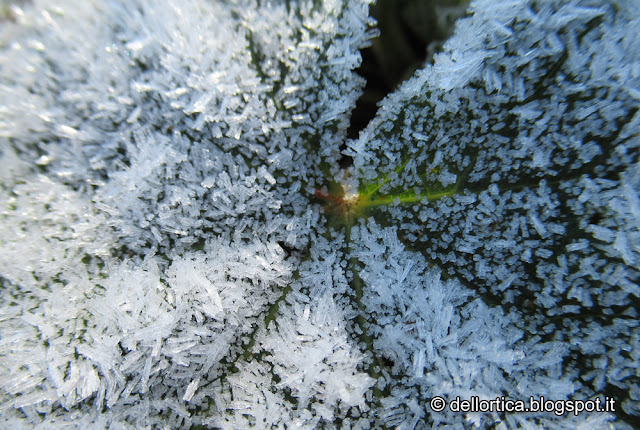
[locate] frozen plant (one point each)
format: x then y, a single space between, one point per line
180 247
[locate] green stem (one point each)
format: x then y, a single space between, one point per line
391 199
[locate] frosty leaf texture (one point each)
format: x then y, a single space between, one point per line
313 367
120 109
438 339
157 157
165 261
528 120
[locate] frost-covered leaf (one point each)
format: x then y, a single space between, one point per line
155 158
511 163
165 261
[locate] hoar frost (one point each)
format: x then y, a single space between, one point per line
165 263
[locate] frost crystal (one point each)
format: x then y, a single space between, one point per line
165 261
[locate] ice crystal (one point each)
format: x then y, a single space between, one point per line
180 246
